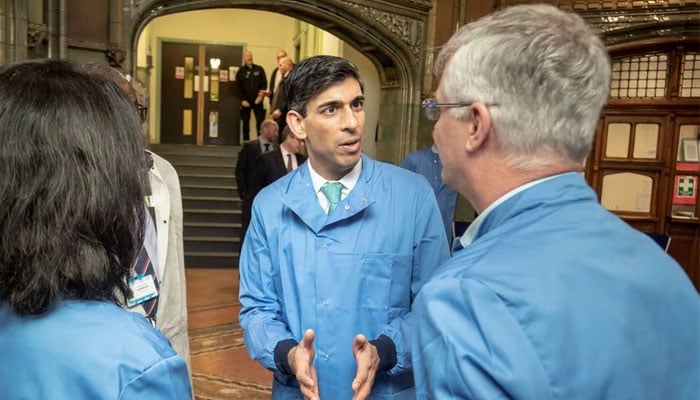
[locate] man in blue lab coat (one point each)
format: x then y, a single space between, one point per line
552 296
336 252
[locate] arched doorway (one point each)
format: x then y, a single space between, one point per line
392 41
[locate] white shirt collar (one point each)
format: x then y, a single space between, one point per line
348 181
468 237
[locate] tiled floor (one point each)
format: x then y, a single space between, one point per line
221 368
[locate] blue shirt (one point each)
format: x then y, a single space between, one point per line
354 271
427 163
557 298
87 350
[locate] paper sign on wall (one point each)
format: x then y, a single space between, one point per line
179 72
685 189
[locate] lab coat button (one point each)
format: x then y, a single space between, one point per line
347 206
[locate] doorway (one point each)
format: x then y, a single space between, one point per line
199 98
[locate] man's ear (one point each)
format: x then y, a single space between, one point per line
296 124
481 121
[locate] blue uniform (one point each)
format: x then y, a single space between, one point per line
427 163
556 298
87 350
354 271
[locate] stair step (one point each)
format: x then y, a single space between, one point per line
211 244
203 159
207 179
212 229
211 259
205 215
199 169
188 149
210 203
209 191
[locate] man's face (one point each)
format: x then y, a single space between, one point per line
333 128
293 144
269 132
248 57
283 67
446 137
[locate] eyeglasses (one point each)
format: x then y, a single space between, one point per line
433 109
143 112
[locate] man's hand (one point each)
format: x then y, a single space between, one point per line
245 103
367 363
276 114
260 98
301 361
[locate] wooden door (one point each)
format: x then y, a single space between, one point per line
198 96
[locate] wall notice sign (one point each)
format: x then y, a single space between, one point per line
685 189
223 75
179 72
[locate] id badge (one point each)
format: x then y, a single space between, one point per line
142 288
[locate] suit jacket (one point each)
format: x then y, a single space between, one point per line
269 167
245 166
171 318
273 79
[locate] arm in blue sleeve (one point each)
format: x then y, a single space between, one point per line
430 250
261 311
468 345
166 380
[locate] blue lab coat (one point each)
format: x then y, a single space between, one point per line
87 350
557 298
354 271
427 163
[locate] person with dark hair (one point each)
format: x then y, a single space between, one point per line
336 251
275 164
71 224
252 88
245 166
162 234
551 296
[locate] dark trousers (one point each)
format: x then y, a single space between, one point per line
245 117
246 210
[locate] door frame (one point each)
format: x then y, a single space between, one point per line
159 71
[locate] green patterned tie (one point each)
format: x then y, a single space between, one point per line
332 192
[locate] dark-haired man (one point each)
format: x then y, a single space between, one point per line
275 164
336 251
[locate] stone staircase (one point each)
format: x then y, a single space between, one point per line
210 203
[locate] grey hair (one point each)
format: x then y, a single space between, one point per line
546 69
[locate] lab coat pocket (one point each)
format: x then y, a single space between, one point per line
385 290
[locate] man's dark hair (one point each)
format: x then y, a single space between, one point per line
71 186
313 75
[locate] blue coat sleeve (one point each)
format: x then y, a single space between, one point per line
260 316
469 346
166 380
430 250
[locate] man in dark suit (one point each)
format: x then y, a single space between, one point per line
246 164
278 103
275 78
275 164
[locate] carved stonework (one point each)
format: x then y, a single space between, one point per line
594 5
115 55
36 34
409 30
